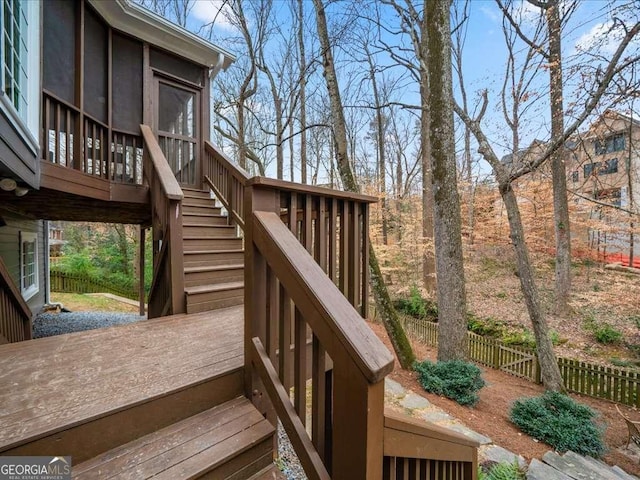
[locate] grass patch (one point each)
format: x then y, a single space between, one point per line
455 379
559 421
78 302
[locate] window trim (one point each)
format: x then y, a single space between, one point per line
34 288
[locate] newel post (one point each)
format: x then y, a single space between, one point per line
255 292
358 425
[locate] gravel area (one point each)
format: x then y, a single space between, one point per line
287 460
49 324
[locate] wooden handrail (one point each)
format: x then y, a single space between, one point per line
309 189
21 309
167 294
327 311
235 170
167 179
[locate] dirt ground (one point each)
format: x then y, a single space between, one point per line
599 296
490 416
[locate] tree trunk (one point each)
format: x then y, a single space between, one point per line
389 316
428 259
452 343
303 95
550 373
558 172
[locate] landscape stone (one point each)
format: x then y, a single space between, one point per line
541 471
622 474
495 453
436 416
577 467
481 439
413 401
394 388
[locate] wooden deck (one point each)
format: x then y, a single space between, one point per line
54 387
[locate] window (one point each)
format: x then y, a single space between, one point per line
591 168
614 143
15 54
575 176
610 166
28 264
20 63
610 195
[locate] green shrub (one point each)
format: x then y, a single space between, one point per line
606 334
559 421
455 379
501 471
522 338
417 306
485 326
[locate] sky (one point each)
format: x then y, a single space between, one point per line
485 55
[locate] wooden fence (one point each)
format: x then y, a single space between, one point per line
75 283
614 384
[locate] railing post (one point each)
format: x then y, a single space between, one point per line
176 261
358 425
255 292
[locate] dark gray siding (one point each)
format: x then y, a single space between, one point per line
16 159
10 252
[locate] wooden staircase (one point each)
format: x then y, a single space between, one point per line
213 255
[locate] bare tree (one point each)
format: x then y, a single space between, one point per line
452 312
507 174
389 316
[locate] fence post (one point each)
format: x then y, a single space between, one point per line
496 354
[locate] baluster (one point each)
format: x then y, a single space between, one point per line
300 366
344 249
285 337
333 224
364 278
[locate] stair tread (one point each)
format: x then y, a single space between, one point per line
184 449
199 252
214 268
272 472
203 214
206 225
213 288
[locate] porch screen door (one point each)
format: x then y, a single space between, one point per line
177 124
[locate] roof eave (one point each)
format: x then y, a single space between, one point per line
139 22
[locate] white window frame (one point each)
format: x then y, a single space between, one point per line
27 122
30 290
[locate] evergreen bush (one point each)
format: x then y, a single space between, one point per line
501 471
455 379
559 421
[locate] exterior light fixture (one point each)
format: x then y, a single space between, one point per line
21 191
8 184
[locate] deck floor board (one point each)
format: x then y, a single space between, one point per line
54 382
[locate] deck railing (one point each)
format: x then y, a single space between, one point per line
166 295
414 450
15 315
300 326
75 140
310 359
227 181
